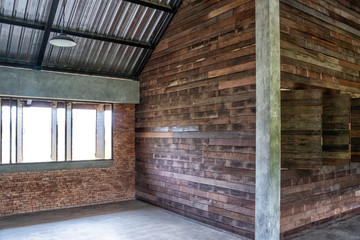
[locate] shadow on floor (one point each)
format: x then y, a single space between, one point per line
342 229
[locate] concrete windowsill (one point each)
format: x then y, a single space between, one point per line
51 166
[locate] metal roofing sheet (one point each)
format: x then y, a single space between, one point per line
112 21
111 17
165 2
34 10
94 56
18 44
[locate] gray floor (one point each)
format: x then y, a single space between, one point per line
135 220
342 229
132 220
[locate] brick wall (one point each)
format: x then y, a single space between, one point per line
195 125
37 191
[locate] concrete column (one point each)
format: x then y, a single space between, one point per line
268 121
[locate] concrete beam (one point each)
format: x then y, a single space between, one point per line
15 82
268 121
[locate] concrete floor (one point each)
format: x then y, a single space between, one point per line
342 229
135 220
132 220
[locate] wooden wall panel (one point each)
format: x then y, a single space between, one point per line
336 133
310 197
301 129
195 125
320 47
355 130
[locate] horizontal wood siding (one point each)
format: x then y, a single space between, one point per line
320 44
301 129
355 130
312 197
195 125
320 47
336 133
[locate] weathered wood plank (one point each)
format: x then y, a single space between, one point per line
301 129
325 34
154 135
237 83
321 16
336 134
213 135
196 121
355 130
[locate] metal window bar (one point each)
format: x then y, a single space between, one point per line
54 132
1 131
68 131
16 130
112 130
19 131
100 131
11 135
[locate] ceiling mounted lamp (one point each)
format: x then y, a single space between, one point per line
62 40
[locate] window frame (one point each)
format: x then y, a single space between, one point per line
14 166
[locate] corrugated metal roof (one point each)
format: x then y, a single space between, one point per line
114 37
112 18
18 44
34 10
165 2
94 56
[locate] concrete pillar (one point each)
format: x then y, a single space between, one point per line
268 121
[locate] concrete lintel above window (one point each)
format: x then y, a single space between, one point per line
52 166
51 85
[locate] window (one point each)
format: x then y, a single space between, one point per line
36 134
52 131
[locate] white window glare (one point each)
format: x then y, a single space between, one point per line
37 134
50 131
83 134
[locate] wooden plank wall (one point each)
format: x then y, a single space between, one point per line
320 47
195 125
320 43
301 129
355 130
336 132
